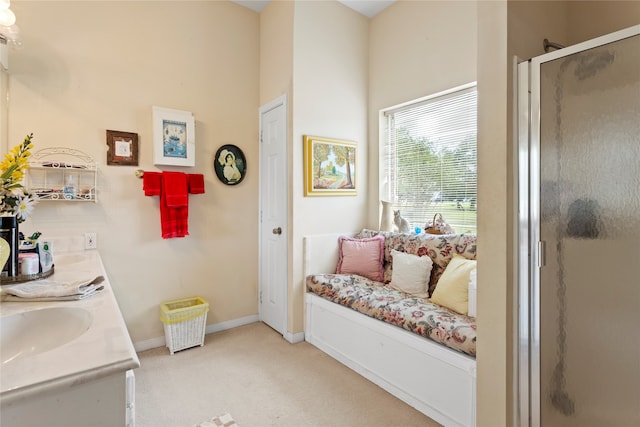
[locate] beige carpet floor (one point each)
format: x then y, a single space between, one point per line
259 378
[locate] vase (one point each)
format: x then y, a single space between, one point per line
9 233
386 219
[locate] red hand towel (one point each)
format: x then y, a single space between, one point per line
174 222
196 183
174 205
174 187
152 183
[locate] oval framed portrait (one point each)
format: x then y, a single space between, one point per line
230 164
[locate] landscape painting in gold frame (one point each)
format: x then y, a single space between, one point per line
329 167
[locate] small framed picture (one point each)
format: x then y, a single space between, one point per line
174 139
329 166
122 148
230 164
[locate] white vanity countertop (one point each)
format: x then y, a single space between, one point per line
104 349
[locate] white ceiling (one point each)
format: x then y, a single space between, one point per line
368 8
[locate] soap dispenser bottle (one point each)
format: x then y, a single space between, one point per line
70 188
46 255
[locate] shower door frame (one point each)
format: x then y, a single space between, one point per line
530 246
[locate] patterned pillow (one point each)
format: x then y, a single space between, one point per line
361 256
440 248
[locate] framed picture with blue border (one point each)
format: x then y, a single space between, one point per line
174 139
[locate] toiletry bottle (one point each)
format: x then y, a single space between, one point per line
70 188
46 255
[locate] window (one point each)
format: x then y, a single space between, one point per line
430 159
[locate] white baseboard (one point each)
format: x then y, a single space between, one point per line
148 344
230 324
294 338
216 327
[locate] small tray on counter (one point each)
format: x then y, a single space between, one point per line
9 280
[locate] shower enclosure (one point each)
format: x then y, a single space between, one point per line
579 235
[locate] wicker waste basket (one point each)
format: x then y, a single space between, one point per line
184 322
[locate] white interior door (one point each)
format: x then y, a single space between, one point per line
274 187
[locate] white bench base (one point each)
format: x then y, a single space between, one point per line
437 381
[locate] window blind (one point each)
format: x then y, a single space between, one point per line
430 159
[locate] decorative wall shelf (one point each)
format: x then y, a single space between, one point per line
51 170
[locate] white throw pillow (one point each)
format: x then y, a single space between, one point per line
411 273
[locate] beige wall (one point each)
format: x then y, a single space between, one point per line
416 49
276 50
91 66
530 22
590 19
564 22
495 182
330 100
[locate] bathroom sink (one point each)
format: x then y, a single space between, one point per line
34 332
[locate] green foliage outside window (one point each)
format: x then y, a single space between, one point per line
431 167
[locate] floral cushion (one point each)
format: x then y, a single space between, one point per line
440 248
414 314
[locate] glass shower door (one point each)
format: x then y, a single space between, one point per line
585 234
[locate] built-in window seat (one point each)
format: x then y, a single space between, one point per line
390 326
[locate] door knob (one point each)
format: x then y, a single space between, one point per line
277 230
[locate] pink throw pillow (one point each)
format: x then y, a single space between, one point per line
363 257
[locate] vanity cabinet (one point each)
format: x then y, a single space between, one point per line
63 174
49 379
98 402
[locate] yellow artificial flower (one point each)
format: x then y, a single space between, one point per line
14 198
